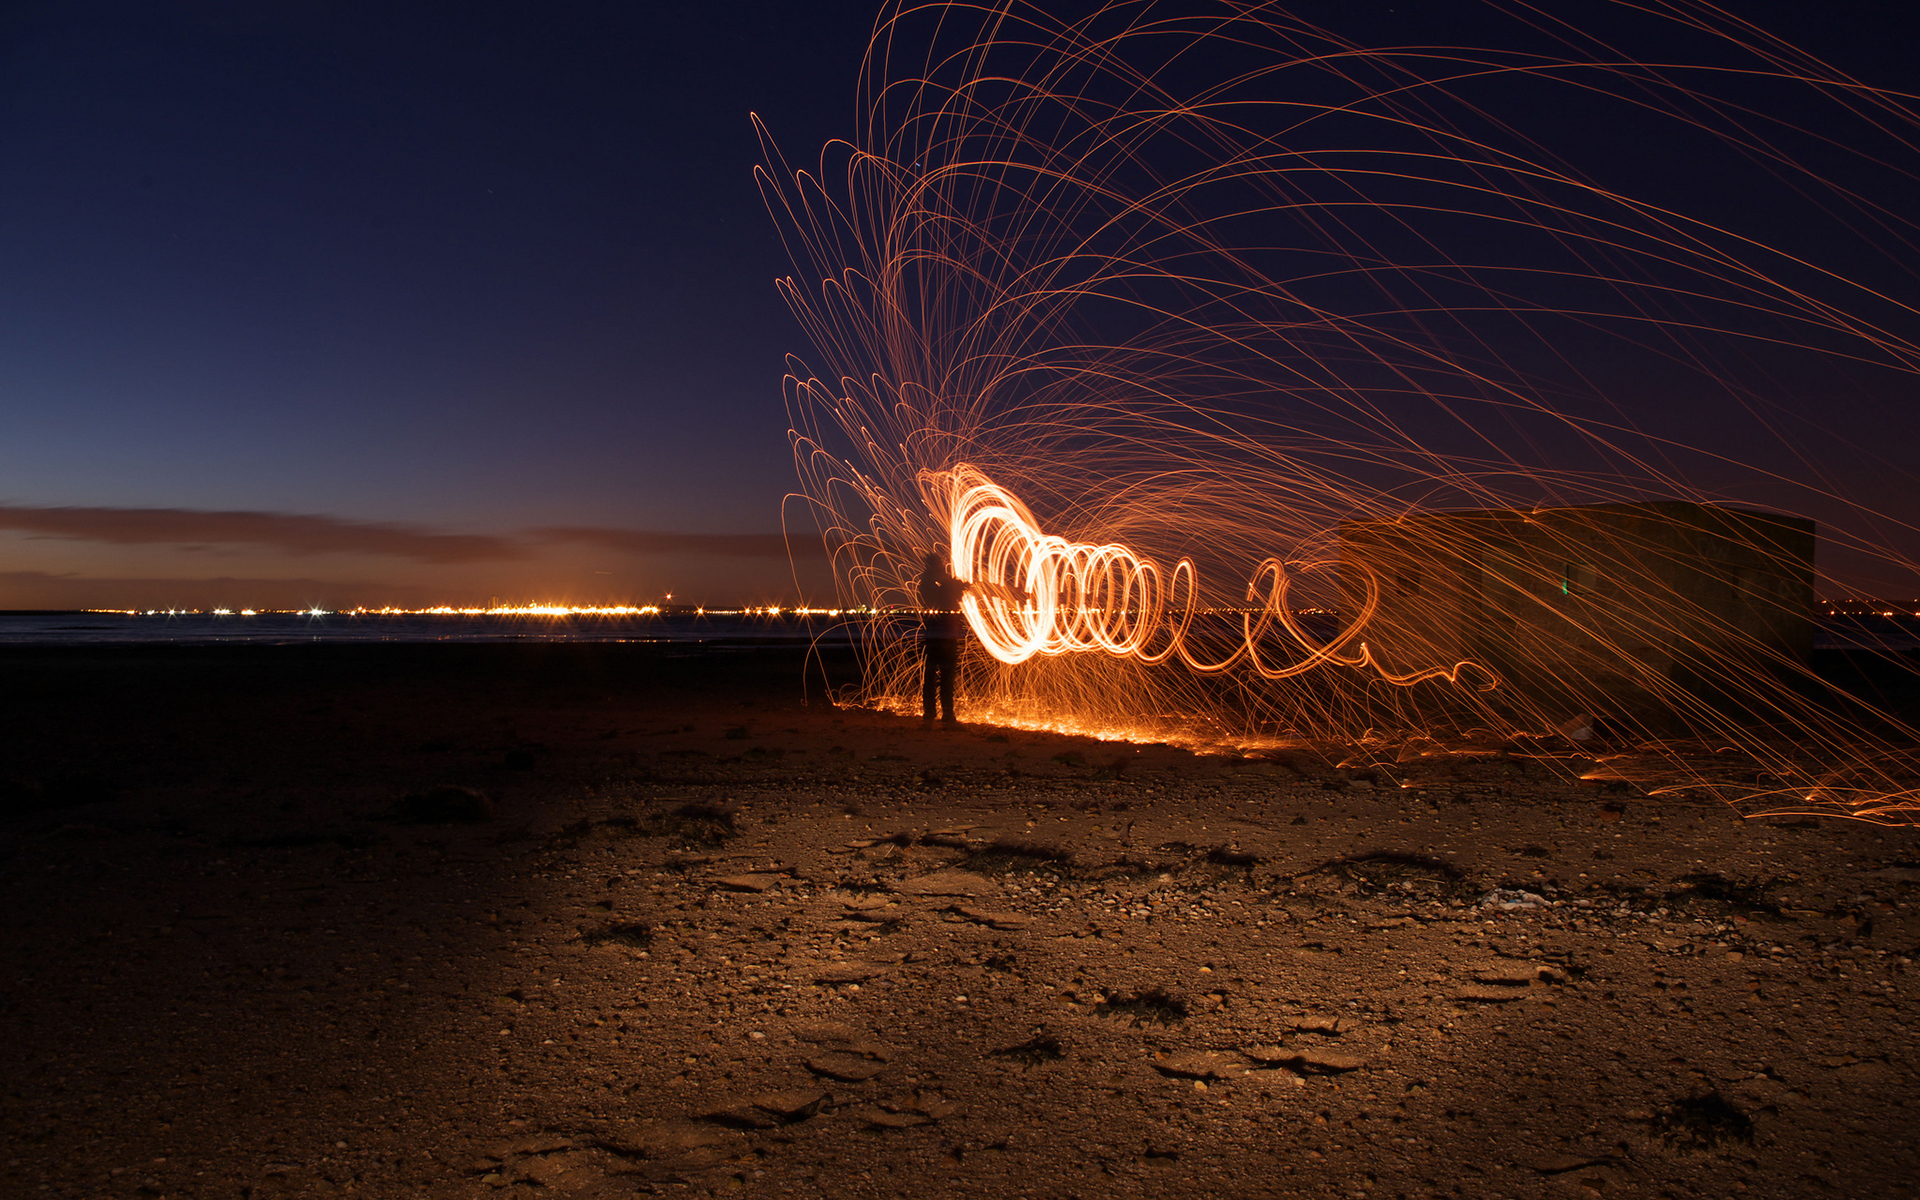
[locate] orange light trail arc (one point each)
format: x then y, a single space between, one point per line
1132 315
1035 593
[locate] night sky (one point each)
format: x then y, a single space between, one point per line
351 303
492 271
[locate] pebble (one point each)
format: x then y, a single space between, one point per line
947 883
933 1104
538 1143
845 1067
1489 994
842 973
822 1032
561 1173
749 883
1560 1164
660 1139
767 1110
1330 1061
1326 1062
1512 972
1005 921
1203 1064
793 1105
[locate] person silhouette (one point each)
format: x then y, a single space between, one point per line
941 627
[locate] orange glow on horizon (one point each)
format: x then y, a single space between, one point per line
495 610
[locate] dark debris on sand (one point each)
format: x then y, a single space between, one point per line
703 939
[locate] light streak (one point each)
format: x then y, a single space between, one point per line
518 610
1131 314
447 610
1033 593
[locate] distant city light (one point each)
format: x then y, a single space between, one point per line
493 610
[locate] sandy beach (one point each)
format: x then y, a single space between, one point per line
595 921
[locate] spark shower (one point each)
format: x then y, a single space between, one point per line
1201 284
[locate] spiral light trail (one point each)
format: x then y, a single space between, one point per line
1033 593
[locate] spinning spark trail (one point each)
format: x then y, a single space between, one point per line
1034 593
1236 305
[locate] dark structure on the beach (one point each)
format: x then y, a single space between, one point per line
1625 611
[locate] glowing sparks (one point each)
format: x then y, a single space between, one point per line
1134 356
1034 593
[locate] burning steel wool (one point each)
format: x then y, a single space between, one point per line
1271 389
1035 593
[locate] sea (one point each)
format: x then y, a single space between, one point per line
732 629
1896 633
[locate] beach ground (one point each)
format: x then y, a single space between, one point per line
571 921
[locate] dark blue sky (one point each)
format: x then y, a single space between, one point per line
463 262
467 266
491 270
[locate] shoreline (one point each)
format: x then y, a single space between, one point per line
707 939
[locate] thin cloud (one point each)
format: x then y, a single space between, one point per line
292 533
42 590
649 541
